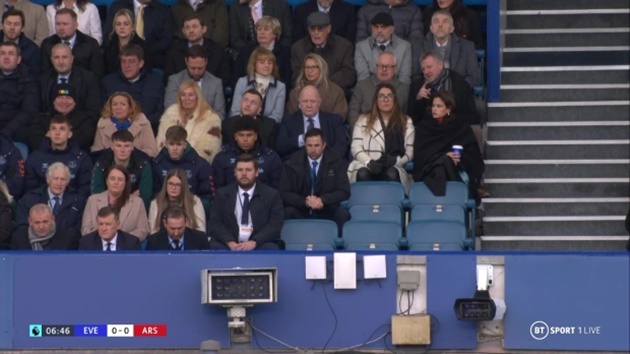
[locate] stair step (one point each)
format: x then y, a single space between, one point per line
565 92
567 56
555 40
600 18
610 225
555 206
539 75
547 243
557 168
564 5
558 187
558 130
559 111
568 149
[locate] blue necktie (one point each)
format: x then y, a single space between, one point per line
245 211
56 205
176 245
63 80
313 176
109 247
311 124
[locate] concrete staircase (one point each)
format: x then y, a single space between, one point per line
558 146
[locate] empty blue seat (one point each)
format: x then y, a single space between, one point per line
23 149
310 234
447 212
372 235
424 234
377 192
456 193
377 212
435 247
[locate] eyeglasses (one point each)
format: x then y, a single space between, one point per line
174 185
309 68
384 97
387 67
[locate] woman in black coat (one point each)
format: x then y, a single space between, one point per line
435 162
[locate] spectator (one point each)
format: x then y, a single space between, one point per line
35 20
58 147
141 84
87 96
175 192
343 18
251 105
12 31
465 20
65 203
242 23
85 49
336 51
176 235
87 17
255 222
122 112
109 235
361 101
42 233
435 79
133 215
192 112
268 34
213 12
262 75
83 123
194 28
122 34
434 161
382 141
177 153
11 167
315 181
458 53
383 40
6 217
407 18
246 142
153 24
294 126
18 94
314 72
211 86
137 163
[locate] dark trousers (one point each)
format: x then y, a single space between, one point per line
217 245
337 214
388 174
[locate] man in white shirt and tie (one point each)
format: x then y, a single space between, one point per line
108 237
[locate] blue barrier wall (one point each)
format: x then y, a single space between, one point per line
589 292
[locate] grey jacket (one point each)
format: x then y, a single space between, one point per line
461 59
367 52
211 87
363 93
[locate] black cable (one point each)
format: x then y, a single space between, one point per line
400 303
334 315
248 321
408 303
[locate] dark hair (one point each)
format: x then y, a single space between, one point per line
433 54
11 44
254 92
176 133
59 119
448 98
122 135
313 133
247 158
107 211
124 197
132 50
67 11
14 12
197 51
246 123
194 16
173 212
398 120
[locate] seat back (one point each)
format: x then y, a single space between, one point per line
448 212
23 149
377 212
376 192
456 193
440 232
372 235
309 234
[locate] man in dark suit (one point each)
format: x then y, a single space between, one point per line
251 105
218 62
293 127
87 92
242 23
108 237
85 49
246 215
175 236
154 24
315 181
343 18
42 235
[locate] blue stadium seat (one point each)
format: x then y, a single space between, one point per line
424 235
370 193
377 212
310 234
445 212
158 73
372 235
23 149
479 90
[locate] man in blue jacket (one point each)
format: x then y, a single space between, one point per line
57 147
12 26
246 141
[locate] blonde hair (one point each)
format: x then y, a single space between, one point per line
202 107
261 54
273 22
129 15
323 72
134 107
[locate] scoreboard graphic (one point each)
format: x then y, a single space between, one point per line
97 330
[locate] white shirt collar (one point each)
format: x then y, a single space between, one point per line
112 241
250 191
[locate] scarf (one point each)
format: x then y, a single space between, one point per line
39 242
124 125
441 83
261 84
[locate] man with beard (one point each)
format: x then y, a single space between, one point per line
12 31
246 215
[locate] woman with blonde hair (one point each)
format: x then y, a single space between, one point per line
122 112
315 72
122 34
192 112
382 141
262 75
175 191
